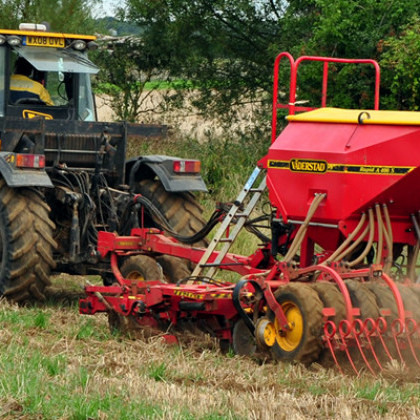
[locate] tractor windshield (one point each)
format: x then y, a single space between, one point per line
66 76
58 60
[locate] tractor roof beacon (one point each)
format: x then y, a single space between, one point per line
64 175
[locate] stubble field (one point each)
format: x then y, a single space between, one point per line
57 364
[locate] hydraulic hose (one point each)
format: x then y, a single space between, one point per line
163 223
218 215
369 242
380 234
388 239
302 230
340 250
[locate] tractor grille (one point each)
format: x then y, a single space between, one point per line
74 150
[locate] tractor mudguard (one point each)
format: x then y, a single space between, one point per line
162 166
17 177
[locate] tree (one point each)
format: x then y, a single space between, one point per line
227 48
74 16
401 57
126 68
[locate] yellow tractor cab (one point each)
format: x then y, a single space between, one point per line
57 62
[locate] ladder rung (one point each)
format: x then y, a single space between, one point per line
225 240
253 190
242 214
218 264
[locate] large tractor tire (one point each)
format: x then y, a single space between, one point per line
303 310
184 214
26 244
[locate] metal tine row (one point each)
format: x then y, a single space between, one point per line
374 342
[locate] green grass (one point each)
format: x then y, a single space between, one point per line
67 366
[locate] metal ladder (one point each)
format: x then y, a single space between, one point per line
249 188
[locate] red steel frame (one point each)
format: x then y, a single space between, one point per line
294 65
152 301
145 299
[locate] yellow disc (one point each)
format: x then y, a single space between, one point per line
265 332
289 340
269 334
135 275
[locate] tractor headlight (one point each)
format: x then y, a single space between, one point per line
14 41
78 44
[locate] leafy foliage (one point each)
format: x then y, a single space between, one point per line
402 57
227 48
62 15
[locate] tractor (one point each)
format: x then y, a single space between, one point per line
337 275
64 176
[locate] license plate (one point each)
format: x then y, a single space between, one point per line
43 41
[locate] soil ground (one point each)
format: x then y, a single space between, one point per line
56 363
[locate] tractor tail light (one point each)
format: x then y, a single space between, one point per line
30 161
187 166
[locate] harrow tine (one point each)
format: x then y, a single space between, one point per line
411 329
345 329
357 331
381 328
330 330
369 328
397 328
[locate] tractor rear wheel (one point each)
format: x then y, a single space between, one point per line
26 244
303 310
184 214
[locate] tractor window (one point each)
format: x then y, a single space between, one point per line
86 108
2 78
57 88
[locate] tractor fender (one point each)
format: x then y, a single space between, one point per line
147 167
17 177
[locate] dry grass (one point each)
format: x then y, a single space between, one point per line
56 363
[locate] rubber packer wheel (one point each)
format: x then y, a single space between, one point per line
331 297
384 298
26 244
141 267
243 341
303 309
184 214
362 298
410 300
138 267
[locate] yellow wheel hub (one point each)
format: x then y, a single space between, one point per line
135 275
289 340
265 332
